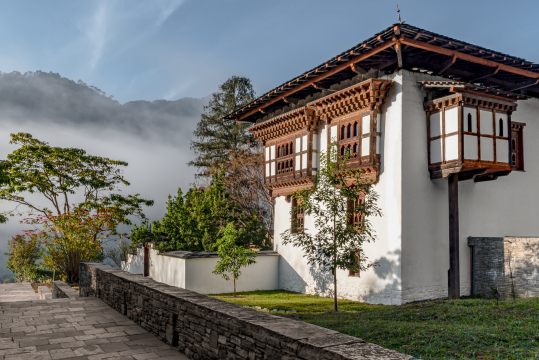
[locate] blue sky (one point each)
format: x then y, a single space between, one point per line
168 49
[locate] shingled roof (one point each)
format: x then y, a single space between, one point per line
400 46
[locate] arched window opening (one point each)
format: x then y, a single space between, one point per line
291 148
342 151
343 132
287 149
513 144
356 128
278 166
349 130
501 126
469 122
292 164
349 150
355 148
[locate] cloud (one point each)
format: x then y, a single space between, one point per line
167 8
95 29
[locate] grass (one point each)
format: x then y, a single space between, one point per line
441 329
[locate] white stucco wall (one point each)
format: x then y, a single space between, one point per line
196 274
381 284
505 207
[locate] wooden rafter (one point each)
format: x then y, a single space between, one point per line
334 70
466 57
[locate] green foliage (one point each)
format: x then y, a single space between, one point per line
193 221
438 329
217 140
335 243
57 173
231 256
24 253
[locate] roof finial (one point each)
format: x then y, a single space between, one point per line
399 11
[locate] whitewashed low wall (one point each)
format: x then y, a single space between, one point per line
193 271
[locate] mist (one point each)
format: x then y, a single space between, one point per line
153 137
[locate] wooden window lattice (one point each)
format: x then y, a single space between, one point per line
298 218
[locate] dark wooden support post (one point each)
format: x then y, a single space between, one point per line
146 260
454 273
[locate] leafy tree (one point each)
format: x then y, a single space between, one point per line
193 221
70 238
335 243
232 256
218 140
24 252
58 173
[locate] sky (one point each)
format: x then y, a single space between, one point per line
172 49
168 49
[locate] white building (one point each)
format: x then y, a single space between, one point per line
432 113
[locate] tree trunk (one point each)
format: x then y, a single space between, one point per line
334 267
234 287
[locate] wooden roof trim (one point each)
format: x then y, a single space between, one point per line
324 75
271 121
481 94
466 57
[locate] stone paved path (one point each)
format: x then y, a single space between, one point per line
17 292
81 328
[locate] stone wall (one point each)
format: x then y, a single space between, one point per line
62 290
206 328
507 264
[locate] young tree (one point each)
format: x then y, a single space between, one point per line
335 242
231 256
24 252
59 173
218 140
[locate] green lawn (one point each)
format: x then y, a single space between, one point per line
462 329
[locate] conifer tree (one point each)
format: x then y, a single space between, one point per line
217 140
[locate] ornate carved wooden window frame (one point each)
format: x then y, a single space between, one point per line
297 224
463 101
517 146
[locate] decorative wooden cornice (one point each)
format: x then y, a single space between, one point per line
369 94
517 125
292 121
472 99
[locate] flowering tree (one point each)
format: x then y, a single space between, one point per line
70 238
231 256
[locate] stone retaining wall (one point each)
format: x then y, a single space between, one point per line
206 328
506 264
62 290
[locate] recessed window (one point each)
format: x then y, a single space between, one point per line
501 127
356 129
354 271
470 123
298 218
343 132
349 130
517 146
